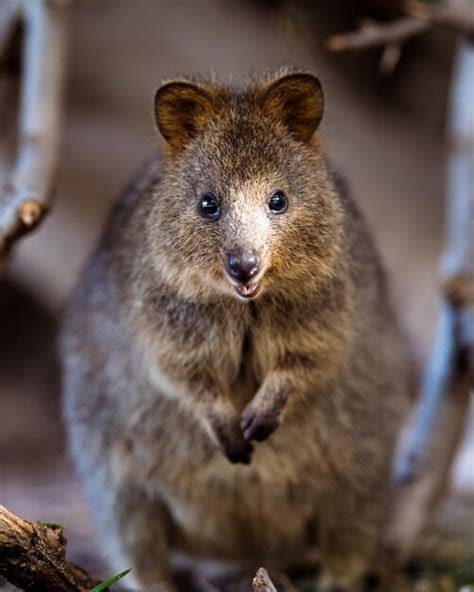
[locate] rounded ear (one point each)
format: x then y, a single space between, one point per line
297 101
181 110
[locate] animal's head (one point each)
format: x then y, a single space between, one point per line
245 205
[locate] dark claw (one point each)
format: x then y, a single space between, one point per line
257 427
241 455
246 420
231 441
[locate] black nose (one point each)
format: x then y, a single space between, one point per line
242 265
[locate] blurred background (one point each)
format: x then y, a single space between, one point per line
386 135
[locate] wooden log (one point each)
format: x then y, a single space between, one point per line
33 557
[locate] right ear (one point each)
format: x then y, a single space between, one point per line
181 110
297 101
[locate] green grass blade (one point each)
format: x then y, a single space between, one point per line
111 581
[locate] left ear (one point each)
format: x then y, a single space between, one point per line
182 109
297 101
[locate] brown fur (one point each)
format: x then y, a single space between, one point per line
166 367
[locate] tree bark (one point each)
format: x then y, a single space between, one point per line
262 582
32 557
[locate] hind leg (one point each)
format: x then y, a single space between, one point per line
141 531
343 571
132 527
349 546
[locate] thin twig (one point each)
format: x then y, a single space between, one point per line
458 16
32 557
379 34
27 193
422 17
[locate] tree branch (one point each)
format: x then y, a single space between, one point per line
438 423
421 18
458 16
32 557
373 34
27 193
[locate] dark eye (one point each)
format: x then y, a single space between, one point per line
278 202
208 206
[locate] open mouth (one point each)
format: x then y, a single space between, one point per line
247 290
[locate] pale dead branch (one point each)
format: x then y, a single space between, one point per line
26 197
439 419
372 34
458 16
421 17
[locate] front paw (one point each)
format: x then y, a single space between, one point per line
239 452
258 425
232 443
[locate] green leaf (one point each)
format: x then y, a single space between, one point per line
111 581
50 524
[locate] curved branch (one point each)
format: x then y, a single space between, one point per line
438 424
27 193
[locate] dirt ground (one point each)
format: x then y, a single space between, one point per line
120 51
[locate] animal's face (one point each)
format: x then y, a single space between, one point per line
245 205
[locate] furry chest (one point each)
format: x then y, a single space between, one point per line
244 513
